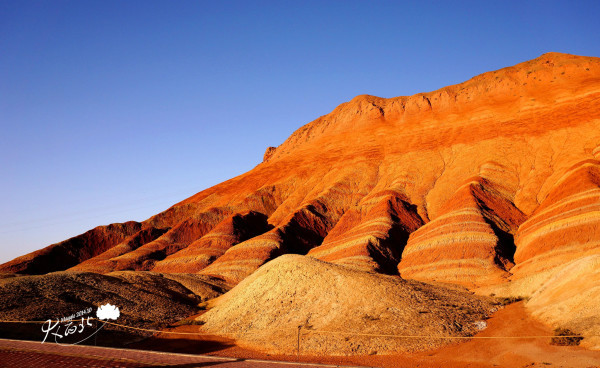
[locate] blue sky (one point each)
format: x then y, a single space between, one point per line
114 110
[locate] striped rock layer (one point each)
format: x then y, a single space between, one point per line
205 250
469 243
565 226
433 186
372 235
298 234
103 261
73 251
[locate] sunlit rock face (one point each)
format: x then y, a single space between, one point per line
474 183
566 225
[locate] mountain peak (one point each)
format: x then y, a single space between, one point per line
379 182
524 86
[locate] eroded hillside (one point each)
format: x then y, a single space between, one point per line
483 183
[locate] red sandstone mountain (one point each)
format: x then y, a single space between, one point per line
442 181
493 180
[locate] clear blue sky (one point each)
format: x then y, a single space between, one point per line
114 110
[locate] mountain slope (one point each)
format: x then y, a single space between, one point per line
370 184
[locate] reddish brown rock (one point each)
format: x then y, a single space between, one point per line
183 234
268 153
372 235
68 253
353 184
565 226
300 232
469 243
208 248
102 262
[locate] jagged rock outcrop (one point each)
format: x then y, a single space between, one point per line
268 153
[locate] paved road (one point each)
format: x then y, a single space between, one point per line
27 354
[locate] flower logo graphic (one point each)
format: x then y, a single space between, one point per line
108 311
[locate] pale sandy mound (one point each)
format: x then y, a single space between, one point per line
265 310
571 299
